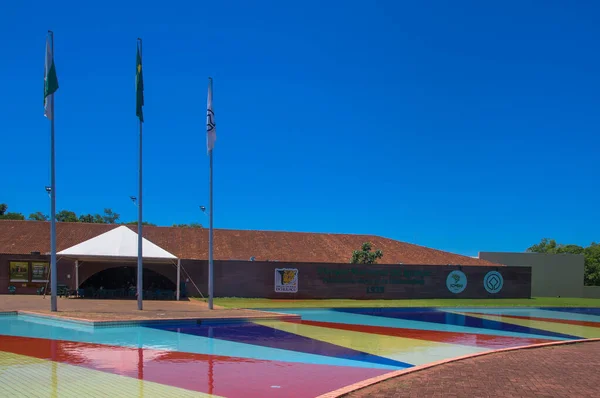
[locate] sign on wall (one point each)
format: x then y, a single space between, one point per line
372 276
493 282
286 280
19 271
456 281
39 271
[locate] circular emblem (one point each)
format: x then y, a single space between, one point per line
456 281
493 282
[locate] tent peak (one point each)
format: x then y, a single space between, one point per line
120 242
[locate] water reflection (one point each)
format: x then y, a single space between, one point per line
327 349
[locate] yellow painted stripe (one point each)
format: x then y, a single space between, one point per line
412 351
24 376
586 332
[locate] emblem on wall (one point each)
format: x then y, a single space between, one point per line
286 280
456 281
493 282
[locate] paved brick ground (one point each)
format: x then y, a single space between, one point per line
118 310
571 370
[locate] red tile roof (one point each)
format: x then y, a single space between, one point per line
24 237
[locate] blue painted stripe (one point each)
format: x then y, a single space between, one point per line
587 311
274 338
144 337
448 318
535 313
356 319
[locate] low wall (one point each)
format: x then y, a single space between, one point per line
591 291
280 280
553 275
359 281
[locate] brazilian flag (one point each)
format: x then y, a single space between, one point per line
139 86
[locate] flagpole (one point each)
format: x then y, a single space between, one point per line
139 260
210 214
53 278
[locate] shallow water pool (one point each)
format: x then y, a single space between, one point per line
327 349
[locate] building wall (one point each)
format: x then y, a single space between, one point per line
591 291
319 281
66 271
552 274
315 280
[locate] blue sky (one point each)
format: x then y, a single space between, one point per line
465 126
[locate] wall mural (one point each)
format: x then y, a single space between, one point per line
456 281
493 282
286 280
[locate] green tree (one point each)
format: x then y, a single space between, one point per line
591 256
592 264
12 216
66 216
110 217
190 225
545 246
143 223
5 215
88 218
365 255
38 216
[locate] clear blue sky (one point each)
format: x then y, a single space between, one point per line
463 126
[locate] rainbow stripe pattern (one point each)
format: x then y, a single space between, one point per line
327 349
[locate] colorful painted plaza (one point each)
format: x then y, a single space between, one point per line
325 350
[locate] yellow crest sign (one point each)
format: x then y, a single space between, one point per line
286 280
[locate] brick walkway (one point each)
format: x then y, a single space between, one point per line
120 310
571 370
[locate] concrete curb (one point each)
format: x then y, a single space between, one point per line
141 322
376 380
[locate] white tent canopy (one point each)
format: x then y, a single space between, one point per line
120 243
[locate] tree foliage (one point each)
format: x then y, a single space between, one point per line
38 216
143 223
90 218
66 216
110 217
591 255
190 225
365 255
6 215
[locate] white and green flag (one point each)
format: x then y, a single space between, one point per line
211 128
50 79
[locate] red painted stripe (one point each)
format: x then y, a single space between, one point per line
213 374
470 339
553 320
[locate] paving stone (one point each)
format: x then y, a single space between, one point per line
571 370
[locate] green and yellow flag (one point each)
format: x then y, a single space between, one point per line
139 85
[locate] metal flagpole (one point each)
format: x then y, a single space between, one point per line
53 278
139 261
210 130
210 233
